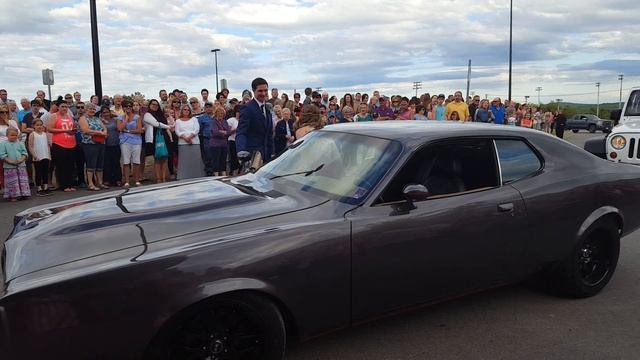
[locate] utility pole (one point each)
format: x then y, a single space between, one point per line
598 100
417 85
620 77
538 89
558 102
468 81
215 52
97 78
510 44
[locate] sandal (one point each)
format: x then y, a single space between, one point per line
93 188
104 186
67 190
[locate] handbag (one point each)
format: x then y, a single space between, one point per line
161 150
98 139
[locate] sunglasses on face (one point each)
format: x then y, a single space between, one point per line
79 107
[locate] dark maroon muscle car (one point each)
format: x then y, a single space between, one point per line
352 222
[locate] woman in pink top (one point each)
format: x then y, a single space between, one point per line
61 125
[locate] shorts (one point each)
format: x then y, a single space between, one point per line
130 153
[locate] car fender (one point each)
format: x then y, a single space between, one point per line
598 214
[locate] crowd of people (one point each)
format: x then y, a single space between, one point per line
122 141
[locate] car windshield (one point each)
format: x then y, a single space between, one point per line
633 104
339 165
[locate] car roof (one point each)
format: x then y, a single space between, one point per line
415 132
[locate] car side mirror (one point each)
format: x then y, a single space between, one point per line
615 115
415 192
597 146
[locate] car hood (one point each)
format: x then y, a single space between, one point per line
68 231
629 126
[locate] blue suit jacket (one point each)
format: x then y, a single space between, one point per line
255 132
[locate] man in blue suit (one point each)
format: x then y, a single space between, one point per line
255 127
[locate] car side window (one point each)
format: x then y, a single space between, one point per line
517 160
447 168
633 104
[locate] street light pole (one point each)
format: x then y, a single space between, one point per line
598 100
215 52
558 102
97 78
620 77
510 44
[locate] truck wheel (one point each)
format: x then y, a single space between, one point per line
592 128
575 130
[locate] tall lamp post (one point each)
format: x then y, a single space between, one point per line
97 78
510 44
598 100
620 77
215 52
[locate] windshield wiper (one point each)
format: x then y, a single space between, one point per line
305 173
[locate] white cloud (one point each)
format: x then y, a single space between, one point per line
335 44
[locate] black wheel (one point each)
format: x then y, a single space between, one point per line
592 128
245 327
575 130
592 262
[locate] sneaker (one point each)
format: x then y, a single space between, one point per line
41 193
48 192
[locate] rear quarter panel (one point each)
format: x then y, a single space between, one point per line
572 186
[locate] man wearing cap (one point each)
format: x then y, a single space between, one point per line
255 127
440 108
384 111
498 110
458 106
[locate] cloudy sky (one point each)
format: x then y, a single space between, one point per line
145 45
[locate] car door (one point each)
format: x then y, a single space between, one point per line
463 238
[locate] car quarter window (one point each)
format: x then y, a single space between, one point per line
517 160
447 168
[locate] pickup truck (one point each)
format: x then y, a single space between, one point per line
623 143
588 122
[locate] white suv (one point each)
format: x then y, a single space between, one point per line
623 143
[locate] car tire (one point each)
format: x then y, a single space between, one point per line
592 262
592 128
242 326
575 130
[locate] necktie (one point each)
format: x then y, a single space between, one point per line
264 111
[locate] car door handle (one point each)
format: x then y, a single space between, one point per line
508 207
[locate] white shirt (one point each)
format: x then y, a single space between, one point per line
150 123
188 127
233 123
40 145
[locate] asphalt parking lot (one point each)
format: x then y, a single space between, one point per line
516 322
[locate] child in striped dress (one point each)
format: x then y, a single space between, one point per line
14 155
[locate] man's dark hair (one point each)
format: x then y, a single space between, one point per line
203 90
160 92
176 91
36 102
219 95
257 82
296 94
316 94
308 91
